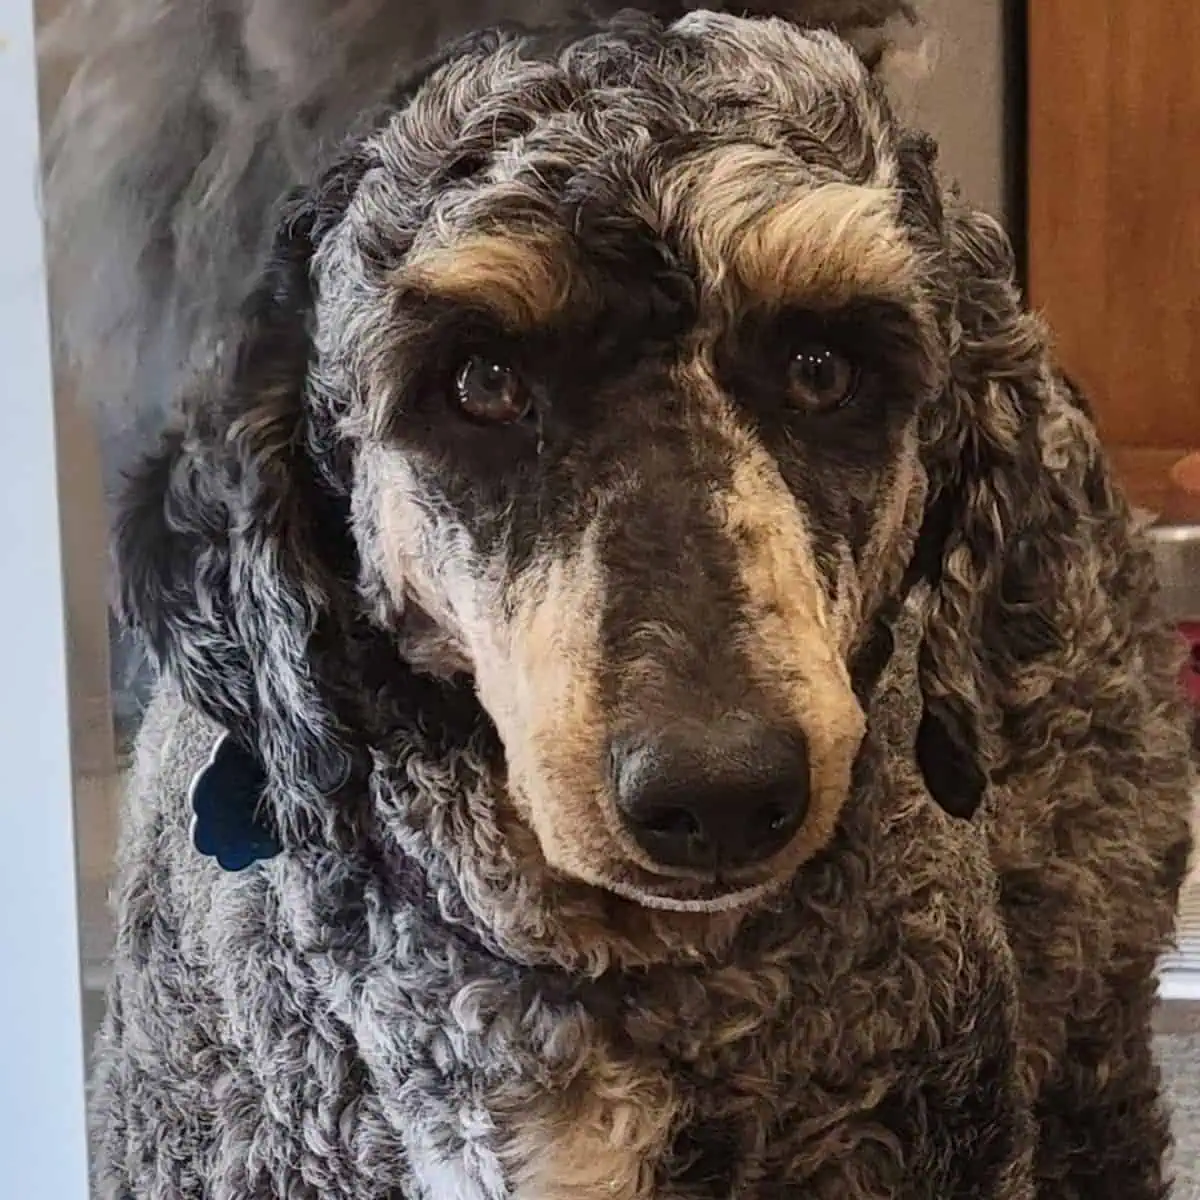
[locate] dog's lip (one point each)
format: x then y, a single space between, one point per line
714 903
711 899
677 890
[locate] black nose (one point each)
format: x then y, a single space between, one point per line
714 798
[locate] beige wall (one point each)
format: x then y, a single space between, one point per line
85 548
962 101
85 554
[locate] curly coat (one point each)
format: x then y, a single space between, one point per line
386 1021
457 980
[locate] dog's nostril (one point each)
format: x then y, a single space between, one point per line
721 799
671 822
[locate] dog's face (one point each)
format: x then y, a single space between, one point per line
630 340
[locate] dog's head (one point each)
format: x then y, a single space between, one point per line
595 374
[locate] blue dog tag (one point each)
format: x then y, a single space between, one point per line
226 798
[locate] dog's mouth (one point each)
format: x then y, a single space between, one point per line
716 824
632 877
715 896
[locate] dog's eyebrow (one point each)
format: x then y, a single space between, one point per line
524 278
754 219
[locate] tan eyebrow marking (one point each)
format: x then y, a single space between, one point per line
525 278
752 218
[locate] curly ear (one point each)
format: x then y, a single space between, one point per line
1044 655
233 544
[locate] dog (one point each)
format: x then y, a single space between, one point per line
654 648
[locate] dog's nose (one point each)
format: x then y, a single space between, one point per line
713 799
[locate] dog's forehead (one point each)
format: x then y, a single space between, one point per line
629 102
731 119
753 150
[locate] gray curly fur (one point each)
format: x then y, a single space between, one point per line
426 995
299 1032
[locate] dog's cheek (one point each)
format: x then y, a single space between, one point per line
885 557
863 531
428 648
531 643
419 569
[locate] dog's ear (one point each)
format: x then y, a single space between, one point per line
947 747
235 553
233 545
1042 596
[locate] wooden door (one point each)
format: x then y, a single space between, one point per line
1114 216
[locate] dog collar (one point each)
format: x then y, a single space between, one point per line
226 796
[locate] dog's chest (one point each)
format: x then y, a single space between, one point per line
592 1109
578 1145
591 1126
500 1084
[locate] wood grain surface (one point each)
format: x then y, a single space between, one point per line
1114 216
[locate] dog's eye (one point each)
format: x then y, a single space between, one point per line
488 390
819 379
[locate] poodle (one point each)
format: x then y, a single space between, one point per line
661 696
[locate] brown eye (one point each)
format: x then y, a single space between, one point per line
820 379
487 390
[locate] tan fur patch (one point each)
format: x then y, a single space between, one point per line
755 220
537 672
600 1140
793 645
525 279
